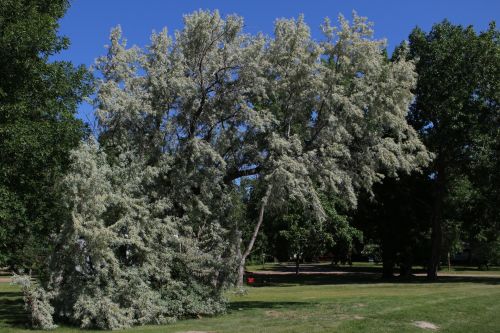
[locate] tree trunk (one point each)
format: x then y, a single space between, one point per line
387 268
241 267
297 265
436 237
437 232
405 268
239 241
388 254
241 272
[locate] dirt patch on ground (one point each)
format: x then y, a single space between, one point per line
197 332
274 314
288 315
285 314
298 315
5 279
426 325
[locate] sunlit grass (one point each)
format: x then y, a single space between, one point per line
335 305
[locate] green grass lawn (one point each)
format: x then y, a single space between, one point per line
329 304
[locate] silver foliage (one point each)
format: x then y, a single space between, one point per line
151 238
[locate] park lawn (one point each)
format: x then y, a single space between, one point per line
470 306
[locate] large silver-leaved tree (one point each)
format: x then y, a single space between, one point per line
153 235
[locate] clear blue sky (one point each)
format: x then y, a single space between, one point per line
88 22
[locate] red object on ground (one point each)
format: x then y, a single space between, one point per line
250 280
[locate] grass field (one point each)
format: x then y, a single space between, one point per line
330 304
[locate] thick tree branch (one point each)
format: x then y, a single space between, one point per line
235 174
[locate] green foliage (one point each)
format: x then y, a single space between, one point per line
307 237
344 235
457 114
397 218
38 128
372 251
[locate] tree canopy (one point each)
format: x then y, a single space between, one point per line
183 123
456 112
38 128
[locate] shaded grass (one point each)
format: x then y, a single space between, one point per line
366 267
12 312
493 270
339 304
360 278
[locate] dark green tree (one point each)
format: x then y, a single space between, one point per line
38 128
396 219
343 236
291 232
456 111
306 238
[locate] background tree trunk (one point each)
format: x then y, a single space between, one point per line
437 232
388 254
405 267
387 268
436 238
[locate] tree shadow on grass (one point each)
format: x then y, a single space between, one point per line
472 279
492 269
12 311
322 268
248 305
286 280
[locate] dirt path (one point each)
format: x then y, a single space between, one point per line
315 270
310 273
464 275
